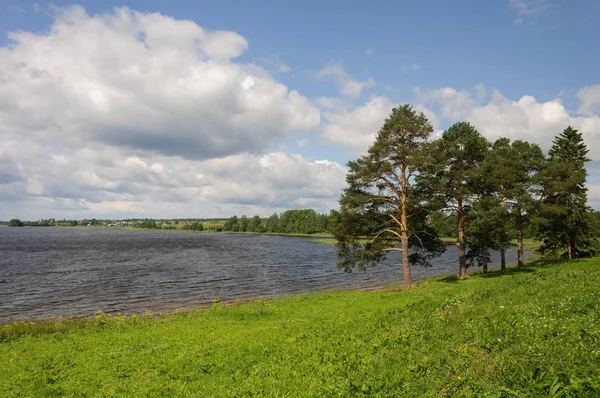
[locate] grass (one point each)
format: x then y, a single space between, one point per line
528 244
530 332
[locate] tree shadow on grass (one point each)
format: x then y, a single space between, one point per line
450 279
529 268
509 271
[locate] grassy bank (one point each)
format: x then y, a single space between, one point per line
526 332
528 244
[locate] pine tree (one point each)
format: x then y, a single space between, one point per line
450 174
511 169
378 203
565 222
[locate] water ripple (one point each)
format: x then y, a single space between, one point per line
77 271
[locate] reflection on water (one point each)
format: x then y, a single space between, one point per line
78 271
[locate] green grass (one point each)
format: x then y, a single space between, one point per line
531 332
528 244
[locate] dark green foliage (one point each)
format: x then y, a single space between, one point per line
231 224
255 225
272 223
485 230
243 223
15 222
450 166
451 176
564 221
194 226
146 224
295 221
444 223
510 172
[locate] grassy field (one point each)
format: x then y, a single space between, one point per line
531 332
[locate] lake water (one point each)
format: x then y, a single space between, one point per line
78 271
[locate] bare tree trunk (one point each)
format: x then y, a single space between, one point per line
502 249
570 250
461 241
485 260
520 260
404 221
405 264
573 247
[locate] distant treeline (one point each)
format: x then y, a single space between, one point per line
306 221
51 222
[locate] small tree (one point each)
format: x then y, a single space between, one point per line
378 204
485 230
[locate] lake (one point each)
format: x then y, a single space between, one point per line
78 271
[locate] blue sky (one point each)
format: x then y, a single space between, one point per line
457 44
517 68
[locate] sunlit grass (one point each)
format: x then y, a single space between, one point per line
524 332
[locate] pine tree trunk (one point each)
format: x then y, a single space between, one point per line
405 264
572 247
485 260
461 241
570 250
502 249
520 260
404 226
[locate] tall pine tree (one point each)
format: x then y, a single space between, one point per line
565 222
512 168
450 176
378 203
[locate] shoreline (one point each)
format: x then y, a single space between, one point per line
160 313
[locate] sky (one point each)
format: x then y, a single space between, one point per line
213 108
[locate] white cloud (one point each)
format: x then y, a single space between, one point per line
143 81
525 118
455 104
590 100
347 85
129 114
102 180
528 11
355 128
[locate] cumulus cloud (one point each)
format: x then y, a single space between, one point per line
590 100
454 104
354 128
526 118
129 114
144 81
347 85
102 180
